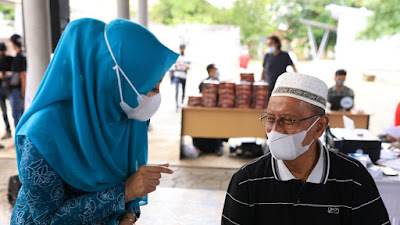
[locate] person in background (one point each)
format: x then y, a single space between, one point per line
182 65
5 67
275 61
209 145
340 96
391 133
82 144
18 79
300 181
213 74
244 58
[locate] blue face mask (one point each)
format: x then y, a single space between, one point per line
271 49
217 74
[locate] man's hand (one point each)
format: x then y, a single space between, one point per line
144 181
395 145
23 82
294 68
389 138
262 74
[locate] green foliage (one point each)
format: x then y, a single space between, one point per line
252 17
385 21
173 12
260 18
8 12
290 12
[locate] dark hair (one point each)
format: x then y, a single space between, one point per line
341 72
182 46
276 40
16 40
3 47
211 66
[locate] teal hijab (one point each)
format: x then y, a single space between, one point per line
75 119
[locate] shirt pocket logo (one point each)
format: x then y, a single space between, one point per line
333 210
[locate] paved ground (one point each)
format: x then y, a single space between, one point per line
186 185
198 178
176 206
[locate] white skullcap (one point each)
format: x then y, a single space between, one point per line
303 87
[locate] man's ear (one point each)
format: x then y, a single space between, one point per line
321 125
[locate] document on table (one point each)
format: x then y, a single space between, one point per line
393 163
348 123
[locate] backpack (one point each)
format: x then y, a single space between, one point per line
13 188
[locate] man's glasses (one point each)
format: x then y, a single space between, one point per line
286 122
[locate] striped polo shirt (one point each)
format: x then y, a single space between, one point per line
339 190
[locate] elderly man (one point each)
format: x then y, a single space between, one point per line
300 181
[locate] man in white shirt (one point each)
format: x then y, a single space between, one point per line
180 71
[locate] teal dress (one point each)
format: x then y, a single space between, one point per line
46 199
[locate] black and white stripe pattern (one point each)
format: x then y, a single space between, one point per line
346 195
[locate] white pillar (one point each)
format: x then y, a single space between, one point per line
37 42
142 13
123 9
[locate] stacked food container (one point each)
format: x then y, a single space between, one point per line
210 93
226 94
243 94
260 95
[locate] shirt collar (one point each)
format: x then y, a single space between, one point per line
318 175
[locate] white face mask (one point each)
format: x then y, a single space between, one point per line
288 146
147 106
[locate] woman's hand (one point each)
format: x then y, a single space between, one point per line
144 181
128 219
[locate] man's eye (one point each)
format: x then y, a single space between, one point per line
287 121
270 119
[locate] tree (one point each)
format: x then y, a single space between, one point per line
289 13
384 21
7 11
260 18
250 15
173 12
253 18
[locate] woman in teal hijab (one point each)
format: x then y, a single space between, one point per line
82 144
